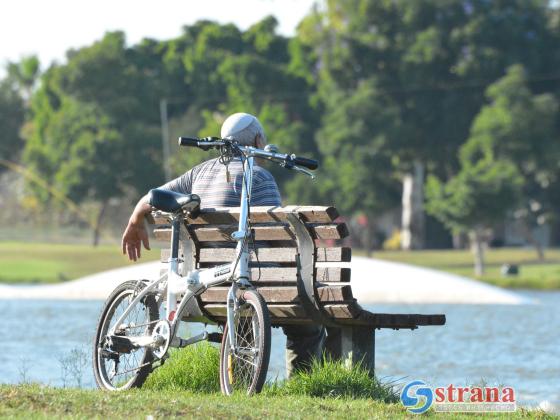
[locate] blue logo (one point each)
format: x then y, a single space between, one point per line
417 397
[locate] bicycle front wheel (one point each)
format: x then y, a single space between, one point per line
243 369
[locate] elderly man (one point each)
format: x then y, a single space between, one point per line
219 186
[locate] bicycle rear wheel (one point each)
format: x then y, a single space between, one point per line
126 368
244 369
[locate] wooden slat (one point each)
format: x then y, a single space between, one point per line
334 254
330 294
395 321
270 255
335 293
332 231
223 233
333 274
218 233
288 275
349 311
345 314
223 255
293 312
260 214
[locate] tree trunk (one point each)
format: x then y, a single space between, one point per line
477 247
413 217
529 237
99 220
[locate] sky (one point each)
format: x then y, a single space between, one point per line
49 28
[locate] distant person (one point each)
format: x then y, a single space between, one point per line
216 188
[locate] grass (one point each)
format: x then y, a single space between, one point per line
29 263
194 368
35 401
328 378
187 386
533 274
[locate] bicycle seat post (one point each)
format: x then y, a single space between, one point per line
173 263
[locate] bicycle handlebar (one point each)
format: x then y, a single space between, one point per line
188 141
286 160
308 163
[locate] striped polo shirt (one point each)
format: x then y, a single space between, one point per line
209 181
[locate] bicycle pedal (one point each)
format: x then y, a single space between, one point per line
215 337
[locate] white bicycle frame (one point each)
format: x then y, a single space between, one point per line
197 281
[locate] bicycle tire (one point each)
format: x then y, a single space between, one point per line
109 314
237 374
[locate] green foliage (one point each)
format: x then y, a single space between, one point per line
368 87
24 74
353 140
194 368
11 119
479 196
522 128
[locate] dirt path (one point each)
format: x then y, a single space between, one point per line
373 281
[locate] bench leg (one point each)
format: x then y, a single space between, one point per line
352 345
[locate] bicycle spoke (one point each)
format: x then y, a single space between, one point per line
117 370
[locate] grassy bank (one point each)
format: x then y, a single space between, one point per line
533 274
187 385
50 263
34 401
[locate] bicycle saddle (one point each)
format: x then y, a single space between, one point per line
171 202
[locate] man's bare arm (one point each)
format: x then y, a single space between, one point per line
135 233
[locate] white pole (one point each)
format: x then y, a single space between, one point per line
165 138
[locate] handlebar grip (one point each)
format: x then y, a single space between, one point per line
188 141
308 163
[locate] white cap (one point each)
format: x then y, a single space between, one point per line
243 128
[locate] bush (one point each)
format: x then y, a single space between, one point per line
194 368
330 378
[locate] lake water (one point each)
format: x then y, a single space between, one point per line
516 346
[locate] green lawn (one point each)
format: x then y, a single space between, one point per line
49 263
533 274
34 401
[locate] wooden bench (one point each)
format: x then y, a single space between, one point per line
299 267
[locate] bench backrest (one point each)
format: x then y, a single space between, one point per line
297 262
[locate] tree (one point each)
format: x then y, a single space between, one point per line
521 127
95 125
12 114
353 139
509 164
24 75
433 60
474 200
254 75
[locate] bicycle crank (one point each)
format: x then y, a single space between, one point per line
161 337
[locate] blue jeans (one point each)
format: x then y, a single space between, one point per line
303 343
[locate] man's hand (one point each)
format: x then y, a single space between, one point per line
133 237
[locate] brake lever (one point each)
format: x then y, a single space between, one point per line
304 171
